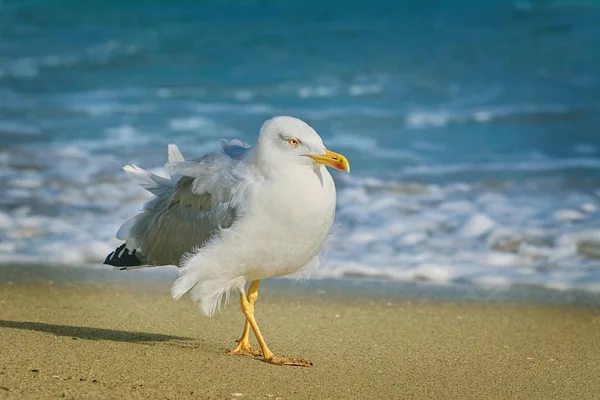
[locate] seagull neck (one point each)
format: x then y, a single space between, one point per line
260 161
253 158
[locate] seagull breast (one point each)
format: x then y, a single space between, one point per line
289 227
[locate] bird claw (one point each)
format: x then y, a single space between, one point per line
249 352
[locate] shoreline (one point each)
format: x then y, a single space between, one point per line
342 287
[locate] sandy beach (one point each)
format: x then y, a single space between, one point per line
100 335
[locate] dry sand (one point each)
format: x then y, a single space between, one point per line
101 338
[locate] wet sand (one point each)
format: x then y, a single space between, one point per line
109 337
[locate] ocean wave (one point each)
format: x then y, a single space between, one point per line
189 124
333 90
252 108
12 127
446 234
527 113
519 166
29 67
203 126
368 145
415 119
316 91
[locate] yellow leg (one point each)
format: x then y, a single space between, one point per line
243 348
243 344
247 306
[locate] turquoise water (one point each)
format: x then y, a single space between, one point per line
471 127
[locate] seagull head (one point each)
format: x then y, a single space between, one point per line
288 142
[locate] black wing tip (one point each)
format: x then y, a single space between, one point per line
122 258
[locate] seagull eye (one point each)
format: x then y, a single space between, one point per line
293 142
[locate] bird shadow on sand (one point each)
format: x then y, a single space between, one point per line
80 332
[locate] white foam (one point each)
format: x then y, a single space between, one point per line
477 225
588 208
364 89
482 116
30 221
531 166
123 133
437 273
189 124
367 145
592 235
460 207
29 180
18 193
247 109
243 95
315 91
437 118
6 221
568 215
500 259
95 251
59 227
456 229
423 119
361 238
31 67
412 238
534 252
7 247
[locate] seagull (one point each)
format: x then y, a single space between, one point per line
235 217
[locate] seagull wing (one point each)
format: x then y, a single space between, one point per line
185 212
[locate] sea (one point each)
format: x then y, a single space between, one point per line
472 127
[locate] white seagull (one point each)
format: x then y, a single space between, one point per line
235 217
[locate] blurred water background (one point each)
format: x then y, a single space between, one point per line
472 126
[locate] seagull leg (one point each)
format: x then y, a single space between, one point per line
243 348
247 305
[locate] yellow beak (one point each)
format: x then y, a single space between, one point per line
332 159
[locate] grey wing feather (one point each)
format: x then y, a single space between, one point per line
235 148
186 213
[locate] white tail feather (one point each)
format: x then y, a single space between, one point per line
153 183
174 156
